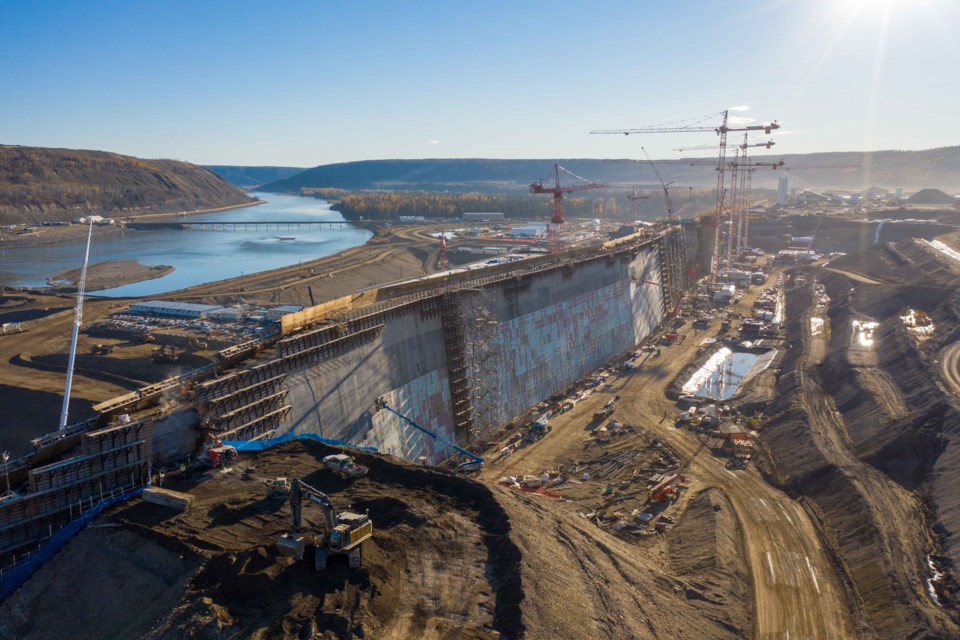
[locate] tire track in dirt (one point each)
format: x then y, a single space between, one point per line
950 366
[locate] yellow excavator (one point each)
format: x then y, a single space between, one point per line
342 533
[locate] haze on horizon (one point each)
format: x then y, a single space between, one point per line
308 83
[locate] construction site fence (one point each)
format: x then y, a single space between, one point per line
268 443
23 567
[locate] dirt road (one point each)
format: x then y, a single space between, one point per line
853 275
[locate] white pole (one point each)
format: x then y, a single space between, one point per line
6 470
77 321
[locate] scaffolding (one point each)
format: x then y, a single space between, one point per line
458 374
485 359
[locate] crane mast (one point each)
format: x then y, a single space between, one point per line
722 166
77 321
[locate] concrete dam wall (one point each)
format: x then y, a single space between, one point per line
468 358
460 355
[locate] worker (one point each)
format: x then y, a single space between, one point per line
183 467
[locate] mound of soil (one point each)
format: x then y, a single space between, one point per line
931 196
440 563
107 583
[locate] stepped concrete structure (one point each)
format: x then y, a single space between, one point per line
460 354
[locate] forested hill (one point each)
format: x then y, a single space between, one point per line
40 184
888 169
250 177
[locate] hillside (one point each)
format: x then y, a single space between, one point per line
40 184
886 169
250 177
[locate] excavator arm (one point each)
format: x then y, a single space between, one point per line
298 489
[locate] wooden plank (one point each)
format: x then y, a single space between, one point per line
167 498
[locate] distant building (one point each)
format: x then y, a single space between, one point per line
725 294
739 278
412 219
172 309
226 314
786 256
533 230
274 314
479 216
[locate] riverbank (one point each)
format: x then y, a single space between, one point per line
75 232
106 275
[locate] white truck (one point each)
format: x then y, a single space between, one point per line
344 466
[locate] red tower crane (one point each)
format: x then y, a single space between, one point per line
443 250
555 230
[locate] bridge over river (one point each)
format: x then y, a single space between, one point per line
239 225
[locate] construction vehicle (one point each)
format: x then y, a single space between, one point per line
342 533
606 409
277 487
665 490
216 454
165 354
475 462
344 466
101 349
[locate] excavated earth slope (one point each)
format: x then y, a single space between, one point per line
865 435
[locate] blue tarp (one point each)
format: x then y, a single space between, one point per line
263 445
14 576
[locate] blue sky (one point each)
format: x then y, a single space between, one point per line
306 83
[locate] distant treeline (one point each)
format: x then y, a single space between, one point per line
390 205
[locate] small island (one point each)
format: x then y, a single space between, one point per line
109 274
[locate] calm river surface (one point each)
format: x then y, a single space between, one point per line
197 256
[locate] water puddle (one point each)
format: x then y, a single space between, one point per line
863 333
816 326
722 375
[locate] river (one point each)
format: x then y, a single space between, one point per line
197 256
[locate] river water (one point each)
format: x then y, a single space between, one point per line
197 256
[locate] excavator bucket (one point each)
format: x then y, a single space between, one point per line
292 545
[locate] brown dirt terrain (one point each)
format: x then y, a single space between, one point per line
440 565
826 538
